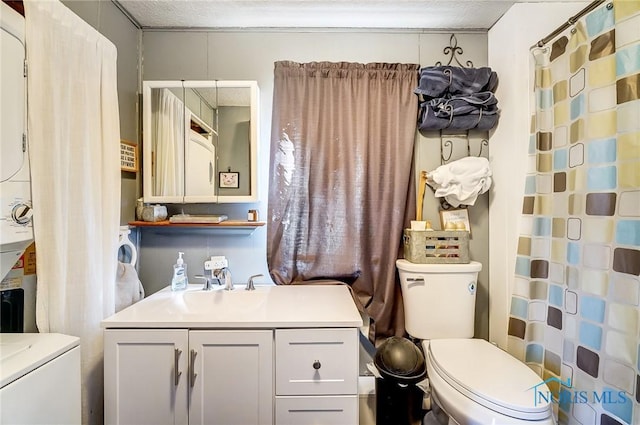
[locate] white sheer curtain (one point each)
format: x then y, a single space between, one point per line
169 123
74 133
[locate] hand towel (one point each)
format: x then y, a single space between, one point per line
461 181
129 289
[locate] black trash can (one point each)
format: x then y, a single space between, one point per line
401 366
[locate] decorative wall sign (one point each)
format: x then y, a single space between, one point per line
128 156
455 219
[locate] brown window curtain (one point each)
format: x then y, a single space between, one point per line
341 182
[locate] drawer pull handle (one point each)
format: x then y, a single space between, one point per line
317 365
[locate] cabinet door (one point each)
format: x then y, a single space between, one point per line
145 376
232 377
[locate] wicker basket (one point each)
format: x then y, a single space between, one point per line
433 246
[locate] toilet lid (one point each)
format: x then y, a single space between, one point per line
490 377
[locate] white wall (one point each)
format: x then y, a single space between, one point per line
508 54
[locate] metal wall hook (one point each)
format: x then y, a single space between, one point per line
483 143
444 205
446 149
448 73
447 144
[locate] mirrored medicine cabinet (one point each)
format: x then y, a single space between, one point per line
200 141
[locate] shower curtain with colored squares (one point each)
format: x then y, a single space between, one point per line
574 315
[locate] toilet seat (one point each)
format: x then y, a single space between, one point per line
488 376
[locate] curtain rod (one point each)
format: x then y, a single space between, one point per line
569 22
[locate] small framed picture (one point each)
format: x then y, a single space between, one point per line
455 219
229 179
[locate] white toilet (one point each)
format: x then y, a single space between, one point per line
472 381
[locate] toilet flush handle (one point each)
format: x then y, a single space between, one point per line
414 281
472 287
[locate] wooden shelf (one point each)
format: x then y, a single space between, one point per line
226 223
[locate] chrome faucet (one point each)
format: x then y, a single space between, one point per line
224 273
208 280
250 286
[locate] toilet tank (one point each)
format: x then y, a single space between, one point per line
439 299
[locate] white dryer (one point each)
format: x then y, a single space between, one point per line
16 229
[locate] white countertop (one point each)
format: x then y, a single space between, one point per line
20 353
268 307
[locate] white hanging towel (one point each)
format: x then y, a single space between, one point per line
129 289
460 182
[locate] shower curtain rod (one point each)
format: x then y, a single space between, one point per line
569 23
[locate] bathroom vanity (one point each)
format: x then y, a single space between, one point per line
275 355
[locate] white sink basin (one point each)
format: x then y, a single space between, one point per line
268 306
219 303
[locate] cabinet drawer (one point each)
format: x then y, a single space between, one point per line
316 361
313 410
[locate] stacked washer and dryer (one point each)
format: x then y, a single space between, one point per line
16 230
39 373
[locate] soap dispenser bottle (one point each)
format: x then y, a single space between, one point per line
179 281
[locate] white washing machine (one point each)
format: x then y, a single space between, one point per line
39 379
16 230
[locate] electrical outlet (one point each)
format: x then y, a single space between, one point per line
217 262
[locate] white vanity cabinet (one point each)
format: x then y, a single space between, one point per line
284 355
177 376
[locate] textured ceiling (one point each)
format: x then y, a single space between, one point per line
412 14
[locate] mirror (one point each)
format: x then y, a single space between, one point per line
200 141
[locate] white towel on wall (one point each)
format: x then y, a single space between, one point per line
129 289
461 181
